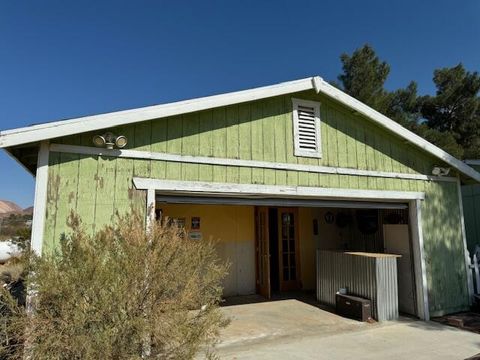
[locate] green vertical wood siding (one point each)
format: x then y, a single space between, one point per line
471 206
471 211
99 187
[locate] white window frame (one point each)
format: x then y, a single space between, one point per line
316 107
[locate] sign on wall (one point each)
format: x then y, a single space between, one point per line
195 235
195 223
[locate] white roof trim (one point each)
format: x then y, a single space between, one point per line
45 131
51 130
472 162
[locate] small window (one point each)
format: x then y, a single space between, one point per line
306 128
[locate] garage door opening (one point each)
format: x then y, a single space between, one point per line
272 243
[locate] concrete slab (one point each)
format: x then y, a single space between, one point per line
268 320
291 329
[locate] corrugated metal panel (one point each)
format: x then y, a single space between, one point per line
374 278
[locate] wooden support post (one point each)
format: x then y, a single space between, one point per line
415 208
476 271
150 208
40 202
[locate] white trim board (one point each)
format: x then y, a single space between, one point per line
472 162
419 264
150 209
147 155
40 202
103 121
212 188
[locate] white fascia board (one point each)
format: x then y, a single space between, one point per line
391 125
245 190
474 162
90 123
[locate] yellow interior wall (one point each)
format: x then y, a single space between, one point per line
233 228
307 248
330 237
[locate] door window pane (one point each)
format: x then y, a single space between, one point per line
293 275
287 219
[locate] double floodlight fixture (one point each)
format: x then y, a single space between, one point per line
109 141
440 171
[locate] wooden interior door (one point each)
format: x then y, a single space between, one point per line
288 249
397 241
262 252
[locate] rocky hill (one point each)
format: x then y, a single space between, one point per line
9 207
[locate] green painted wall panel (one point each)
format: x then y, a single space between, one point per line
268 129
232 137
87 191
105 198
446 268
53 189
68 176
142 140
471 209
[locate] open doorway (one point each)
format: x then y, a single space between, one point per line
278 258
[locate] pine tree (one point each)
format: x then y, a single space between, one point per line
449 119
455 108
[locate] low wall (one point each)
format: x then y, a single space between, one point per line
371 276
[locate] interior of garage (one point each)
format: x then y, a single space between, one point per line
292 257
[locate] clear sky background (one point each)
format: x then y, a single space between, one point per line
63 59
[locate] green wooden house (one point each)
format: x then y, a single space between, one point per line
274 174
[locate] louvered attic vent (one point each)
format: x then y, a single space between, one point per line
306 128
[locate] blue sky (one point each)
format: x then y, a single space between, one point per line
63 59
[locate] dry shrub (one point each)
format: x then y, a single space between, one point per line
11 271
121 294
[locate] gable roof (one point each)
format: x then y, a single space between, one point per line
35 133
